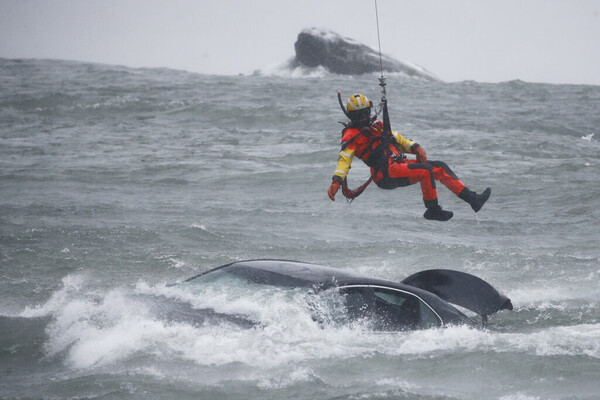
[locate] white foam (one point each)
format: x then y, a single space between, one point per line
285 70
175 263
71 284
563 340
548 296
519 396
99 332
297 375
107 329
532 296
328 35
588 138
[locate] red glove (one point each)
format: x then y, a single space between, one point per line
421 155
335 185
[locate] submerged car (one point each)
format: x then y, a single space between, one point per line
423 300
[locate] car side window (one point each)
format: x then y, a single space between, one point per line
428 318
388 309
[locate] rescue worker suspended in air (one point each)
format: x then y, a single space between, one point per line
384 152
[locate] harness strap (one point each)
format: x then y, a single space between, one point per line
352 194
380 153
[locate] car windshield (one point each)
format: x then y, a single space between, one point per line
237 294
248 276
231 281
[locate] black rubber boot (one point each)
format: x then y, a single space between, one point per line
475 200
436 213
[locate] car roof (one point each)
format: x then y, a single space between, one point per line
302 274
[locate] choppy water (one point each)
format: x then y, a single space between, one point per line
116 181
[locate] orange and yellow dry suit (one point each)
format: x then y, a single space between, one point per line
389 168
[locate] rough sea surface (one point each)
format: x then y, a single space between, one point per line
116 182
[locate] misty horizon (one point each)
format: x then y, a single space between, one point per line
535 41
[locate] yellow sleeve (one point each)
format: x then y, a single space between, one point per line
403 144
344 162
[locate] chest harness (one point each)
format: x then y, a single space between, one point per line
379 148
378 151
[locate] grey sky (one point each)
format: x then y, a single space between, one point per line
532 40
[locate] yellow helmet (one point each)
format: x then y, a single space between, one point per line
358 102
359 110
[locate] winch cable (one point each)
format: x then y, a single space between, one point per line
387 129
